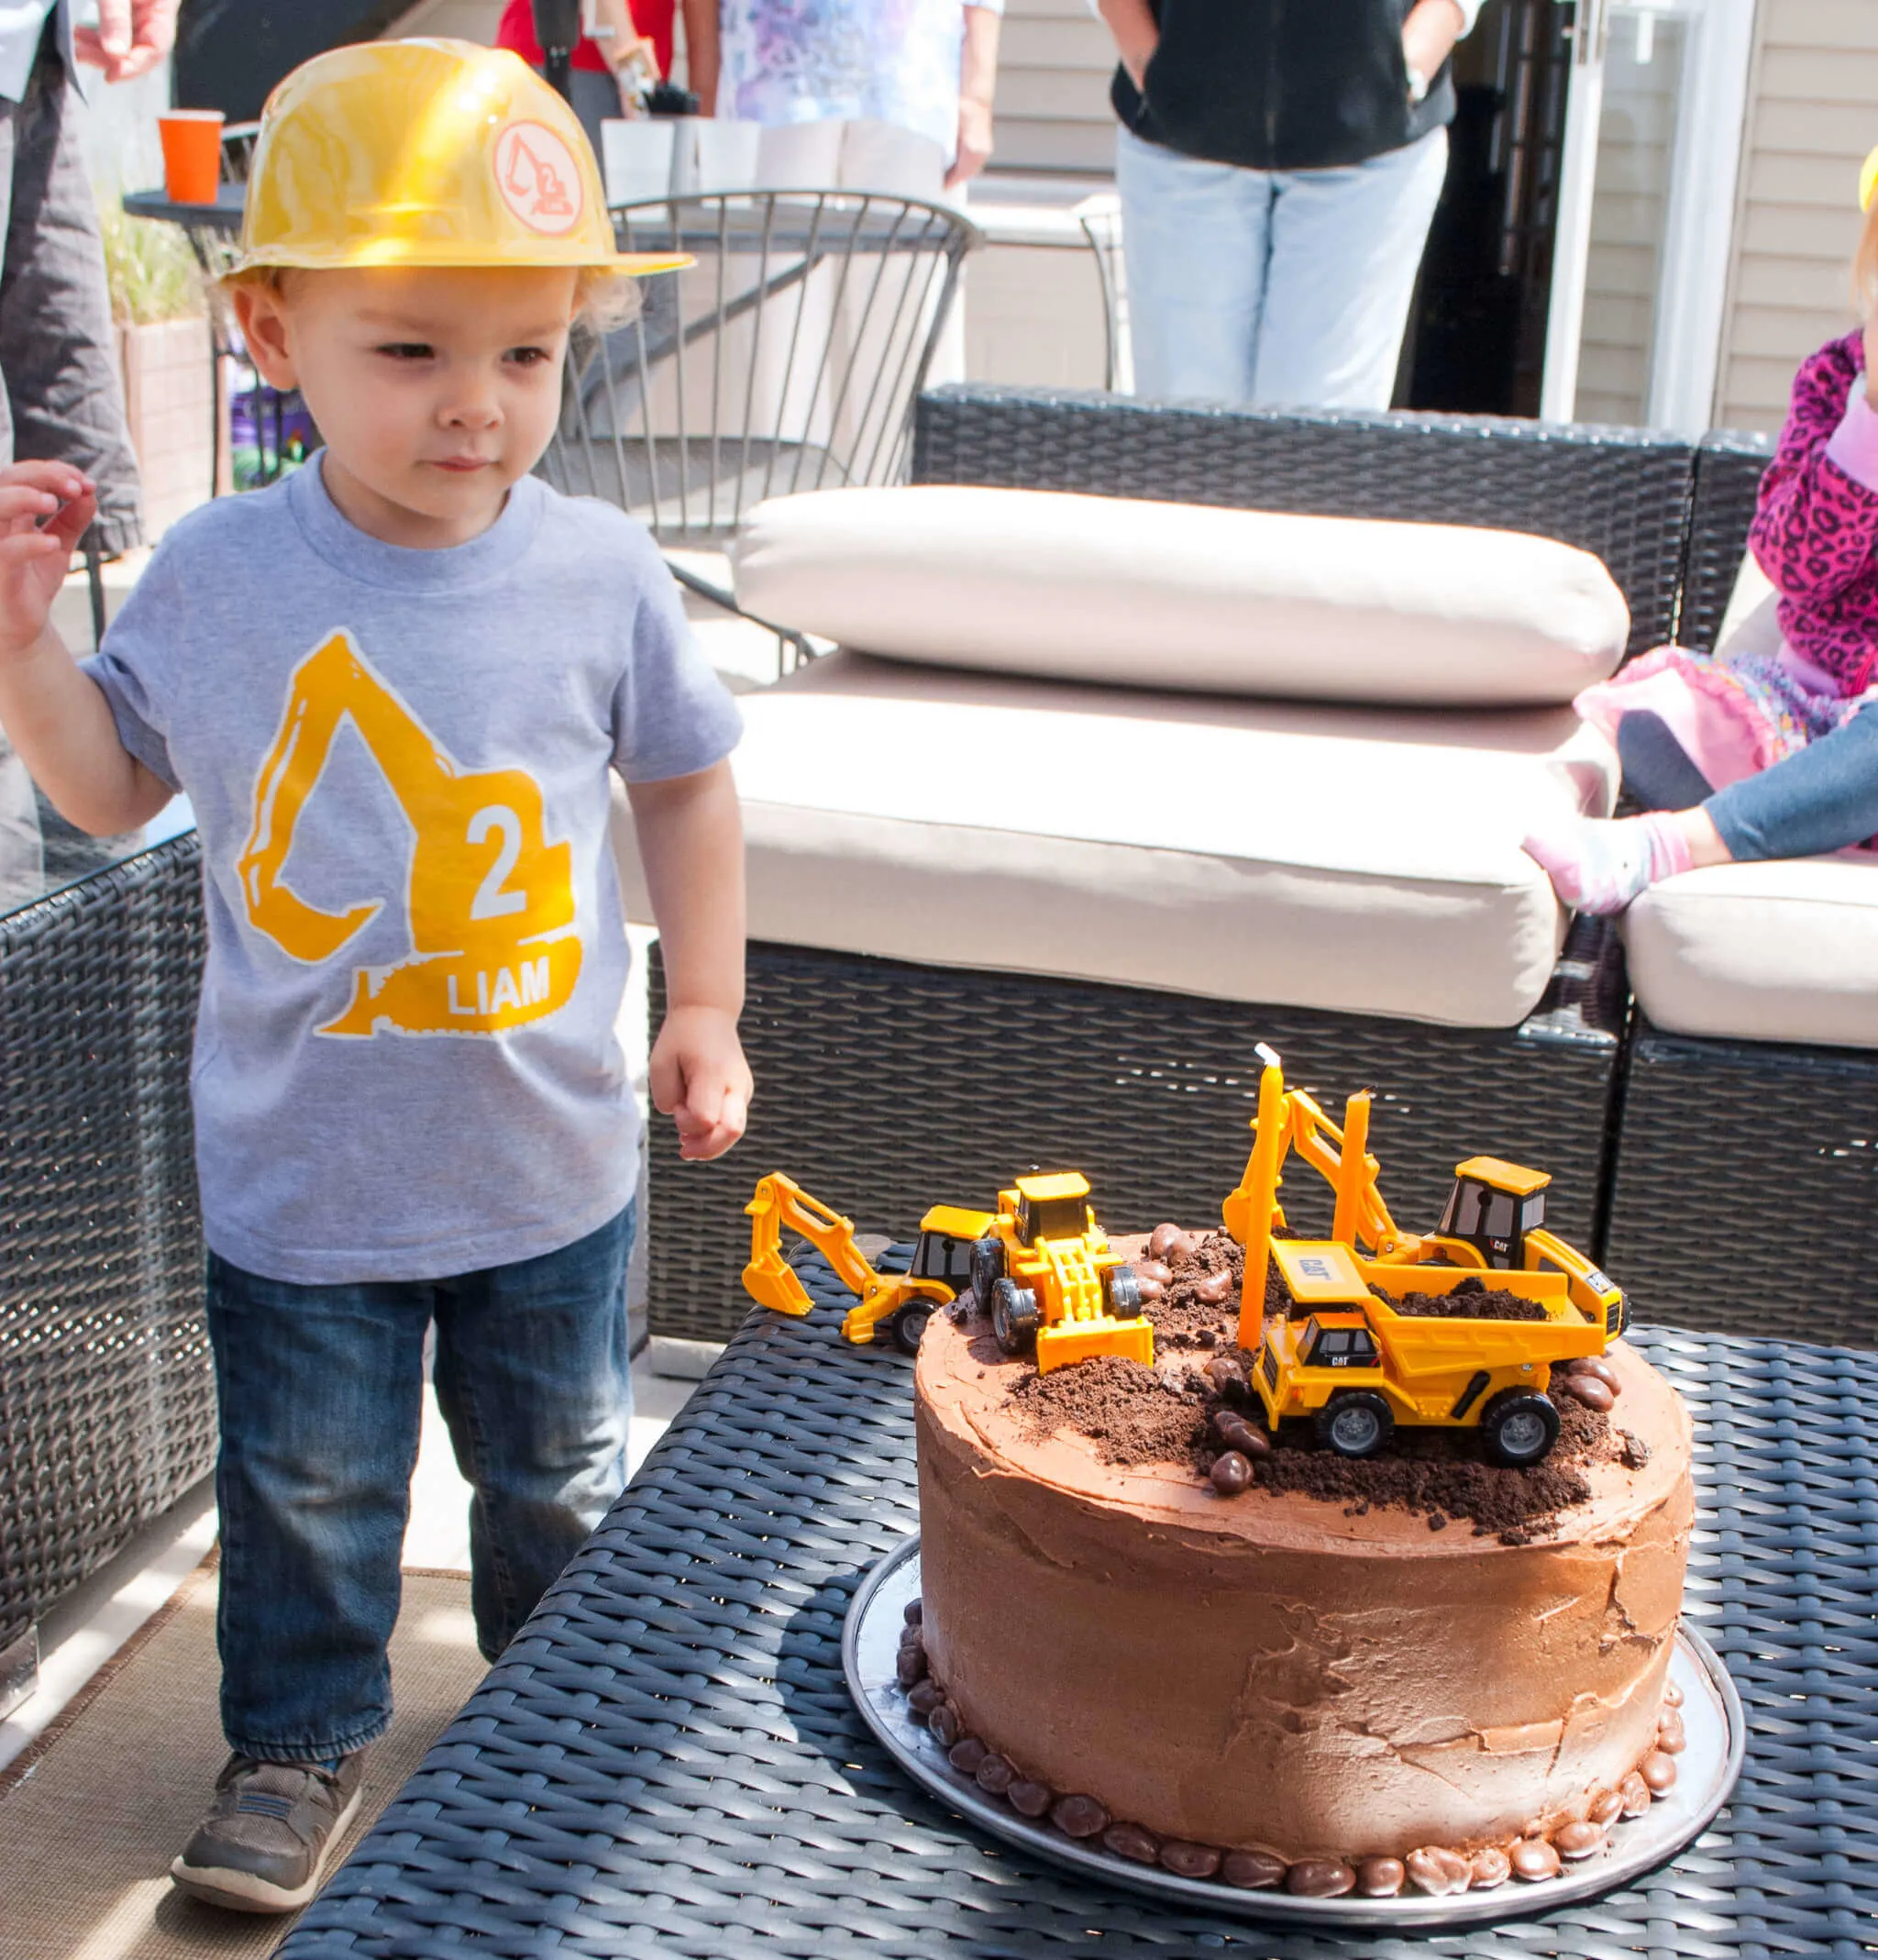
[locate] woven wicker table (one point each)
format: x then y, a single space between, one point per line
666 1761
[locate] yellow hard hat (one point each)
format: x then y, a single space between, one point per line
1868 182
426 154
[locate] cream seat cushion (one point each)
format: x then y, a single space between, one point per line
1362 860
1782 951
1175 595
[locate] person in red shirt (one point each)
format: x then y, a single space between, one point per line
604 77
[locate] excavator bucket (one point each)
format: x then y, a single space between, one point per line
771 1282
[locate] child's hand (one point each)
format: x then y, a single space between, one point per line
44 508
700 1079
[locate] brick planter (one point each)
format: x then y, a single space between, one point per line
168 400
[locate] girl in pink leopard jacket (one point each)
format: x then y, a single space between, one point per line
1761 754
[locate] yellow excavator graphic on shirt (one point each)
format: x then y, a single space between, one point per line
490 900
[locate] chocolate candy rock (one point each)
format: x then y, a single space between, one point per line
1605 1808
1490 1866
1589 1390
1078 1816
911 1667
996 1774
1167 1241
1670 1736
1190 1861
1534 1859
1213 1289
1659 1771
1579 1840
912 1612
926 1698
1672 1695
1028 1799
944 1725
1320 1878
1231 1474
1438 1871
1130 1841
966 1755
1253 1871
1381 1877
1635 1794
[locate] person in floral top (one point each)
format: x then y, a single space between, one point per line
1761 752
928 66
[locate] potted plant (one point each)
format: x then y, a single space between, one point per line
160 307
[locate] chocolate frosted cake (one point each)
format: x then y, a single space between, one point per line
1331 1675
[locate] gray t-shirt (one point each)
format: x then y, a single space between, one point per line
405 1065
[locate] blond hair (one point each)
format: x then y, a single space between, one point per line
1865 264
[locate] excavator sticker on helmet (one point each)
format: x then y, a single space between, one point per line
538 178
490 900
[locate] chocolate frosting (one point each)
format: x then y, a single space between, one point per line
1263 1671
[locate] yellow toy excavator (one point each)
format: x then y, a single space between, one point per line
941 1268
490 900
1352 1363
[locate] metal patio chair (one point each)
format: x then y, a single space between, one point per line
786 359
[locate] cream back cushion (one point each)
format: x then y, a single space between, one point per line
1175 595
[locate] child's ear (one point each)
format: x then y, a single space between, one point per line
263 323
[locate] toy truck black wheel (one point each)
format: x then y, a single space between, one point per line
1122 1289
1519 1427
909 1324
1355 1424
988 1269
1014 1317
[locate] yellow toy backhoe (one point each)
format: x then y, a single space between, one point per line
903 1302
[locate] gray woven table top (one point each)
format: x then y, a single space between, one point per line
667 1760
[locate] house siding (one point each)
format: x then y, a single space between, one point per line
1811 119
1054 65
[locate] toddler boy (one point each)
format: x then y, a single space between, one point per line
392 687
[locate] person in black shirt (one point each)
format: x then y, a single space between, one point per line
1278 162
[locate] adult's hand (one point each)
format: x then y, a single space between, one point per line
974 141
130 39
1137 35
1430 33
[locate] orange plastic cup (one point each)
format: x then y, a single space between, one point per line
192 154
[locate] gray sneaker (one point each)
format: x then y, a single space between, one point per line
265 1841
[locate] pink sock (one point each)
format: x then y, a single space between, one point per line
1599 866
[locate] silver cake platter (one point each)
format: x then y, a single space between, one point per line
1707 1770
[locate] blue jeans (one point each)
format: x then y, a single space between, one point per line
1272 288
1822 797
322 1394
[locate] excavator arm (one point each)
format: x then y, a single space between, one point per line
780 1203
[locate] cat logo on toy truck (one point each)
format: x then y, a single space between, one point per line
1346 1360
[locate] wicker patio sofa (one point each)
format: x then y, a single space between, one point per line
886 1085
107 1406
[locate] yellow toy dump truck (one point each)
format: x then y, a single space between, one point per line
940 1269
1355 1365
1051 1279
1039 1265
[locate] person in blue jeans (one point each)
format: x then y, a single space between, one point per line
1278 168
395 687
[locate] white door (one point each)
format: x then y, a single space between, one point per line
1646 209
